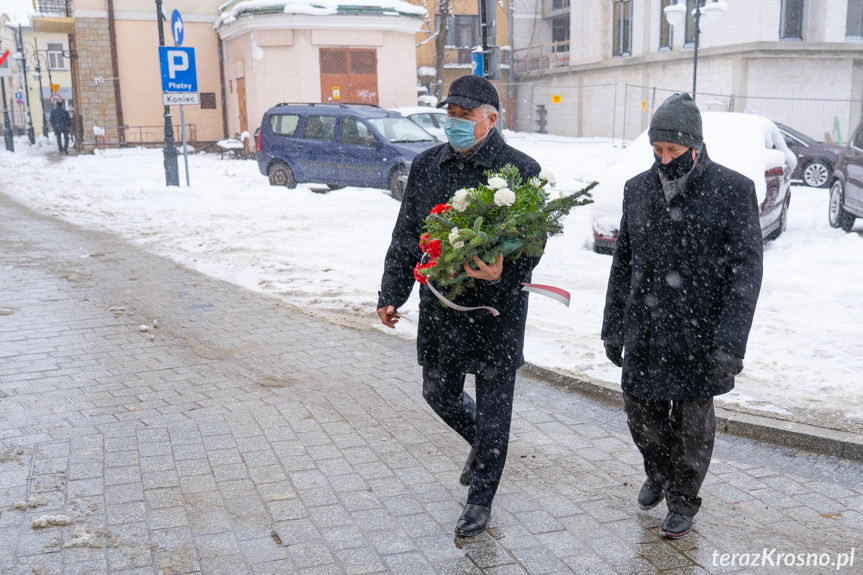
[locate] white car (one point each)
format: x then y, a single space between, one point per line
431 119
746 143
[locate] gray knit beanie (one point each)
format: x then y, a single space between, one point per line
678 121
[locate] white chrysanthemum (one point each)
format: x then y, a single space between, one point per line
504 197
460 200
496 183
548 177
453 237
535 182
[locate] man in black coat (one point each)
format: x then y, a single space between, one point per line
681 296
453 343
61 123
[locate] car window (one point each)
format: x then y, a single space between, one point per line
355 132
321 128
425 120
284 124
398 129
858 138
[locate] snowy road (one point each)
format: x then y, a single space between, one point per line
323 253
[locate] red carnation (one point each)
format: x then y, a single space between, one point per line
441 208
424 242
418 275
433 248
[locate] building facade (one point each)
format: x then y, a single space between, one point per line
799 62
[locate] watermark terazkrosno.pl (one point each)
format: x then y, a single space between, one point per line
776 558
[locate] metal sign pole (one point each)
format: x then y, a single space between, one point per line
185 152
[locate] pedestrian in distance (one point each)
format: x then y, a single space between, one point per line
61 123
450 343
684 281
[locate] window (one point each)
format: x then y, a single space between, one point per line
857 142
208 100
55 57
462 30
791 21
622 28
321 128
559 4
560 33
854 19
664 27
284 124
689 36
355 132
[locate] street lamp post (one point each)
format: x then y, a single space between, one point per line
169 152
30 135
38 74
676 16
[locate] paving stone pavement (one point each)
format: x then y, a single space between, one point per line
239 436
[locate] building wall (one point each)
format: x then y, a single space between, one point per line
815 85
278 57
141 84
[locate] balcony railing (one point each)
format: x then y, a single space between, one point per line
51 7
541 57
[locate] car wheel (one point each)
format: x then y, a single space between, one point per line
838 217
281 175
816 174
395 185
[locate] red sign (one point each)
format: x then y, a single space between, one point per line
3 57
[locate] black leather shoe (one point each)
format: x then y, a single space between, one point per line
676 525
464 478
473 520
652 492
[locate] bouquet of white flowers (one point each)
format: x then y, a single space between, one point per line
505 216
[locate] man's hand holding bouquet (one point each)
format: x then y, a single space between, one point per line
507 216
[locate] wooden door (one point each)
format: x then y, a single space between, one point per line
241 107
349 76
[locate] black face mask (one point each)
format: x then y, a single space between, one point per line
678 167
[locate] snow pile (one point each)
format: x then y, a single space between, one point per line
52 521
313 8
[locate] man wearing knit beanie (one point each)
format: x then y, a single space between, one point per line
680 301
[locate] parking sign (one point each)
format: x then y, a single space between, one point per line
178 69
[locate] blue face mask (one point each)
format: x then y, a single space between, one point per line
459 132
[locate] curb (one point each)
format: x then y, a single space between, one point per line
737 422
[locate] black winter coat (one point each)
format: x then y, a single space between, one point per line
684 280
463 341
60 120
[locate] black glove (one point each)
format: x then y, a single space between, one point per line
725 365
614 352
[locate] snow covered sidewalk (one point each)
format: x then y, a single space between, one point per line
323 253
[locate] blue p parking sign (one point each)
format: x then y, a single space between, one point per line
178 69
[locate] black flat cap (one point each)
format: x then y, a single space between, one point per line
470 92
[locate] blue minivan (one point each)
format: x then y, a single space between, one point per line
338 145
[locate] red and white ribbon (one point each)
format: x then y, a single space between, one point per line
555 293
457 307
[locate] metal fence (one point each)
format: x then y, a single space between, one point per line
135 135
624 111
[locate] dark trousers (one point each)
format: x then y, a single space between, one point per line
676 440
62 141
483 423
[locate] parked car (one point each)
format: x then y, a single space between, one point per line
747 143
338 145
815 160
846 187
432 120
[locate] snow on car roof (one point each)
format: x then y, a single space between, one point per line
747 143
408 110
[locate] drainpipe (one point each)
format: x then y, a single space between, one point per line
115 74
222 88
